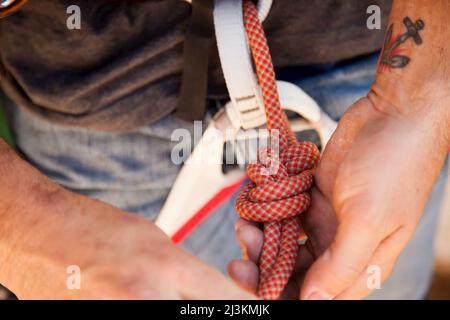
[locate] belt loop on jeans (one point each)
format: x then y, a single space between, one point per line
196 54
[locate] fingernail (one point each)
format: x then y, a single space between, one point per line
244 251
317 296
242 244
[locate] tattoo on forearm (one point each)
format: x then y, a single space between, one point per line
392 55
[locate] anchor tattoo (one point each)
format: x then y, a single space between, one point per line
391 56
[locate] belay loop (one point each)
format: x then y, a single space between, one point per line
275 197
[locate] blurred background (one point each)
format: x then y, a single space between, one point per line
440 288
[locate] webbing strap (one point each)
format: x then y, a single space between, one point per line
196 53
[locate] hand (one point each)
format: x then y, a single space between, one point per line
120 255
371 188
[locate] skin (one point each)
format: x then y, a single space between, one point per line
376 173
45 228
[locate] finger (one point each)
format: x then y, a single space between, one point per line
305 258
245 274
198 281
340 265
211 285
241 222
251 239
319 223
380 266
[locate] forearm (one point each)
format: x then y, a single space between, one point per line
413 75
45 228
26 217
22 189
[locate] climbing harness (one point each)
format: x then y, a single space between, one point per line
201 187
186 207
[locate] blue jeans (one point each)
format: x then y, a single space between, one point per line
134 171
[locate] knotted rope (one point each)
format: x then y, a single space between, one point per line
280 178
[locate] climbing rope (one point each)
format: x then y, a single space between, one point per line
280 179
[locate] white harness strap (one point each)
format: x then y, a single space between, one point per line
236 63
246 108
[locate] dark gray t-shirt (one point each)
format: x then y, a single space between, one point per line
122 70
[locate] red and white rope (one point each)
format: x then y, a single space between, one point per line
275 197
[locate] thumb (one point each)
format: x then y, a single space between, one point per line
341 264
198 281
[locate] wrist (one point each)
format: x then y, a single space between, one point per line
427 112
412 75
